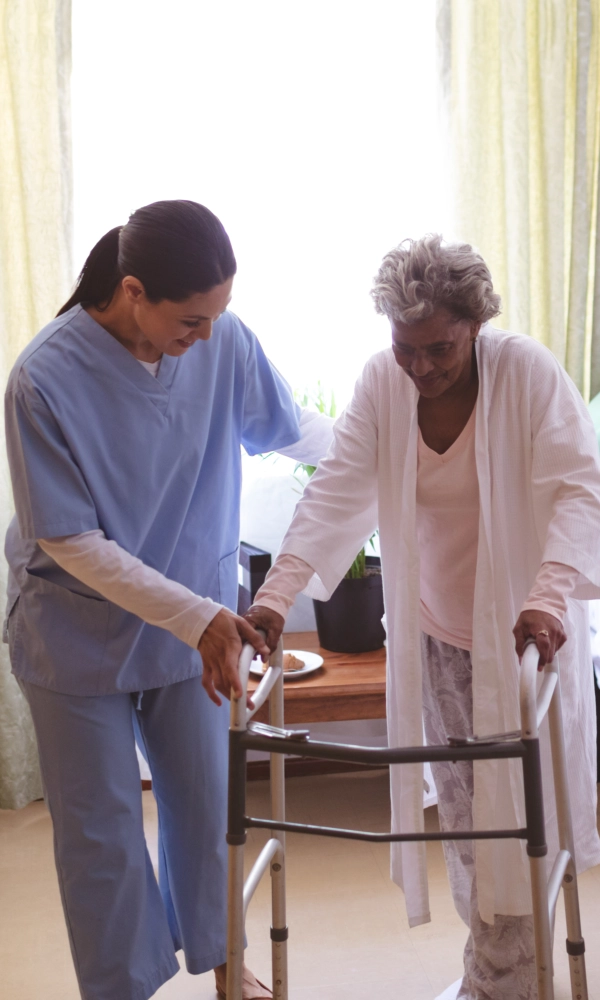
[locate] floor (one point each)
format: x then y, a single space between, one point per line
349 939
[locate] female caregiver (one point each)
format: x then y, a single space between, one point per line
474 452
124 419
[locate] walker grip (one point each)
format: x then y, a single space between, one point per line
274 733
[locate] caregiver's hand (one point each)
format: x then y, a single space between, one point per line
269 621
220 648
547 631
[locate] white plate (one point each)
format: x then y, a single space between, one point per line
312 662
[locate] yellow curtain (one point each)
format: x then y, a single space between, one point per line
521 85
35 266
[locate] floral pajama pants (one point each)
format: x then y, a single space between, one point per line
499 957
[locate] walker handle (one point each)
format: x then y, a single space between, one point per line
263 690
240 715
237 715
534 704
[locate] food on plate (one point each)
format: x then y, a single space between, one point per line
292 663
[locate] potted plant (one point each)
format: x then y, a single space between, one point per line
350 621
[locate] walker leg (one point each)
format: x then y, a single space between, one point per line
537 851
575 943
279 931
541 928
235 924
236 838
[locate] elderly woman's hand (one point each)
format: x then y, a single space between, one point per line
547 631
269 621
220 648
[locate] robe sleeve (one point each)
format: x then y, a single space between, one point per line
285 580
552 588
270 415
338 510
565 475
51 495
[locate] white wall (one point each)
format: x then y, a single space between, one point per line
310 129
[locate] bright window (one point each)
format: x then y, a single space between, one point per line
309 128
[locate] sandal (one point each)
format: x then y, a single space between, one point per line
252 988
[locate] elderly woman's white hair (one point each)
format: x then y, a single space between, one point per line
419 276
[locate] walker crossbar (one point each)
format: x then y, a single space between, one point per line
383 838
523 745
376 756
259 868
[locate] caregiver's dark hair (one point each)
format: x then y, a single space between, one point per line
175 248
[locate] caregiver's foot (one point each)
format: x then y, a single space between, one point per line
252 988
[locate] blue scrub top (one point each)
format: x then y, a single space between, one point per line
95 441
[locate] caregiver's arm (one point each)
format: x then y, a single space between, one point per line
128 582
316 435
131 584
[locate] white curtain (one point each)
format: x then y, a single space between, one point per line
522 97
35 268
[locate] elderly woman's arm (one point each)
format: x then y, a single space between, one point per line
565 479
285 580
565 475
333 520
543 612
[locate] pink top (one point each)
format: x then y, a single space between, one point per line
447 530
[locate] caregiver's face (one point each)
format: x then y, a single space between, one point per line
173 327
436 353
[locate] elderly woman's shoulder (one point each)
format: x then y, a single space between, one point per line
382 361
516 349
379 370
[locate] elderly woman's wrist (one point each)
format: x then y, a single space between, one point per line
546 608
279 606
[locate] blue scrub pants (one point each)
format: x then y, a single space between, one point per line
124 930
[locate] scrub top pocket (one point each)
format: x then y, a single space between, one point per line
59 634
228 580
10 611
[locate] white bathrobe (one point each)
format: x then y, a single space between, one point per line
539 484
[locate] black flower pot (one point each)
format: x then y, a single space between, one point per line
350 621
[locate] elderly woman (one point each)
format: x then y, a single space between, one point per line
474 452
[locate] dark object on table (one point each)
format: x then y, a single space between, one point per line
254 564
350 621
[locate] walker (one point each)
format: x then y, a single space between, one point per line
524 744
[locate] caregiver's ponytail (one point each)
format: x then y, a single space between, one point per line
175 248
100 274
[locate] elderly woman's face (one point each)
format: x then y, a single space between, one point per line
436 353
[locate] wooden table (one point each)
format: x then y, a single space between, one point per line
348 685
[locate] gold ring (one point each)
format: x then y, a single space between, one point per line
543 631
